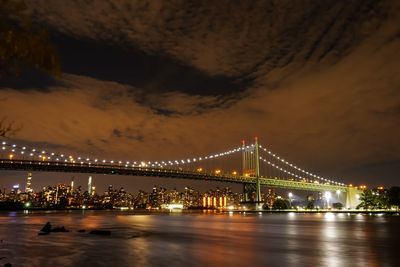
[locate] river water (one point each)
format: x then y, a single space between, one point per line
200 239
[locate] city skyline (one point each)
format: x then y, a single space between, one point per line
140 183
75 196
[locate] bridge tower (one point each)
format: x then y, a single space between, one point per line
251 168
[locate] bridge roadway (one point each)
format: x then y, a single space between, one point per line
52 166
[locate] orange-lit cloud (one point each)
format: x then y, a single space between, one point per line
324 91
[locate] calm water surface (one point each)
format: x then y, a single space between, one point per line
201 239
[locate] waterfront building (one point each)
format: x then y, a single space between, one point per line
28 187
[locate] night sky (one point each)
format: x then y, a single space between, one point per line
317 81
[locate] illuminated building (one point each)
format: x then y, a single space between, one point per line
270 198
90 185
28 188
16 189
72 184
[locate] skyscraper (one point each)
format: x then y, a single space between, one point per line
90 185
28 188
72 184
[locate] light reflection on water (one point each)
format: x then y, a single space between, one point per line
201 239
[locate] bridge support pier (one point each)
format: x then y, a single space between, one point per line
249 191
251 197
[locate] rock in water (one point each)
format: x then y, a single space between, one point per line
46 228
100 232
43 233
59 229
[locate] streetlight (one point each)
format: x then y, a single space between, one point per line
290 195
328 196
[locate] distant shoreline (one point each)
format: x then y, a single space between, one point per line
322 211
207 211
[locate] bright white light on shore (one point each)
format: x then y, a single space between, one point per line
328 195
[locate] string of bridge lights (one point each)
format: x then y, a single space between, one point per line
293 166
51 156
280 168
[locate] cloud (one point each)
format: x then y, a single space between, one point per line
86 114
151 73
224 37
327 119
324 91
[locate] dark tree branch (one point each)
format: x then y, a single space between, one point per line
24 44
7 128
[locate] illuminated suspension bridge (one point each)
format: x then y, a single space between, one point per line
259 167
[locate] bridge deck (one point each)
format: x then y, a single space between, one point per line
49 166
